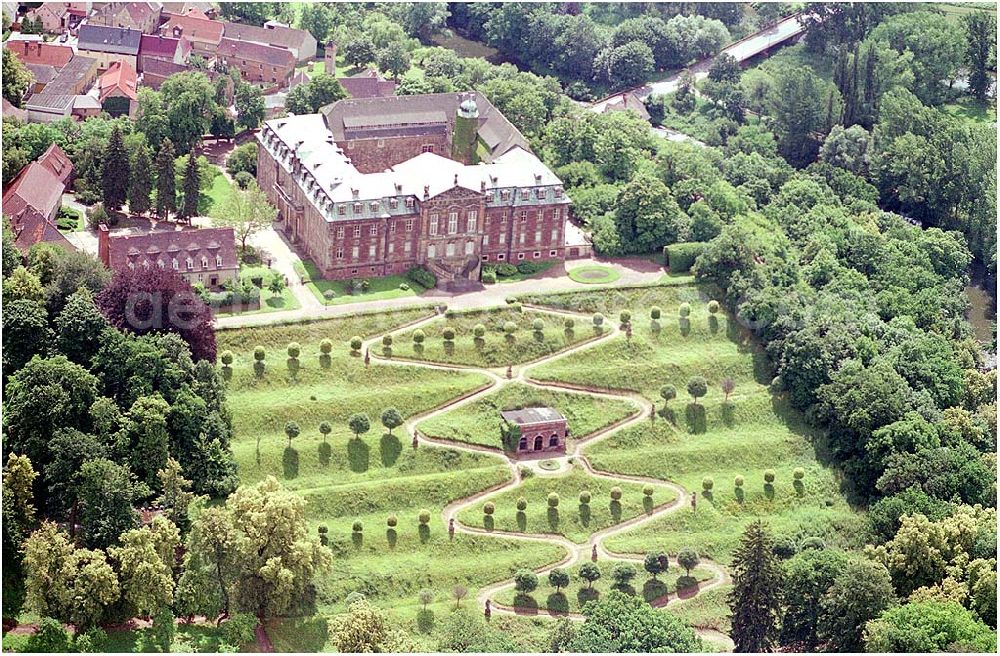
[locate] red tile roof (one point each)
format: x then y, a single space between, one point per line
168 245
119 80
194 26
257 52
368 85
154 45
38 52
30 228
36 187
57 161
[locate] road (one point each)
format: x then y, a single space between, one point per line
742 50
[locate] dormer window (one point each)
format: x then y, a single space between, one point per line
374 206
189 263
341 210
525 194
393 203
540 194
505 194
218 261
409 203
204 262
358 208
559 192
175 265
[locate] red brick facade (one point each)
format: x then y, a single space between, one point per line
543 430
376 155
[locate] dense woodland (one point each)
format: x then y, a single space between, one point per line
799 206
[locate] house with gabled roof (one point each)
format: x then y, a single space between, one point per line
301 43
35 187
203 33
117 90
40 52
109 44
142 16
368 84
257 62
202 255
155 46
57 162
31 227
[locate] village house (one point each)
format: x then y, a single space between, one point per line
202 255
258 63
542 430
141 16
301 43
60 96
374 187
58 17
109 44
31 227
40 52
42 75
40 185
154 46
117 90
203 33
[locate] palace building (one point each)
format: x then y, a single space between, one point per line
375 186
543 430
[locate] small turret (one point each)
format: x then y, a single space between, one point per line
465 136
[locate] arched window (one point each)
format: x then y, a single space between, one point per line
523 444
554 440
538 443
218 260
204 262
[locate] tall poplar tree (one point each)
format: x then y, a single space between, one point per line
115 172
981 34
140 188
191 188
166 185
755 599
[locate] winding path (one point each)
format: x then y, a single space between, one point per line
575 552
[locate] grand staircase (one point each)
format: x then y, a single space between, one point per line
457 275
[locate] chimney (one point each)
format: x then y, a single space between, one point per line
427 191
103 247
482 186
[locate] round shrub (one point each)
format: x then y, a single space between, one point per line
713 306
585 497
325 346
769 476
777 384
418 336
329 295
812 543
356 343
325 428
738 481
569 323
226 358
488 508
616 493
510 300
387 340
448 334
655 313
424 517
509 327
799 473
784 547
522 504
598 319
258 354
357 527
684 310
404 287
538 325
553 500
391 521
707 484
294 350
648 490
479 330
624 317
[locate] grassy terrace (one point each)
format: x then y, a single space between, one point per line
340 292
572 519
478 422
496 348
572 599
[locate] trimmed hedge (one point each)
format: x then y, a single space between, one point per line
422 277
680 257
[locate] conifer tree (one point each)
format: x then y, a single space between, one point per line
166 185
192 188
141 183
114 172
755 599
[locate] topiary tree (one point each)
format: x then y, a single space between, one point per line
448 334
325 346
569 323
391 521
356 343
292 430
585 497
479 330
590 572
738 481
387 341
798 473
624 317
648 490
728 385
458 593
391 418
707 484
538 325
424 517
522 504
324 537
684 310
688 559
357 527
226 358
425 596
713 307
656 563
419 336
488 508
769 476
359 424
623 573
598 319
697 387
294 350
558 578
616 493
655 312
668 393
509 327
325 429
525 581
553 500
259 353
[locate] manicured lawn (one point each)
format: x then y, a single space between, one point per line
571 599
478 422
571 518
496 348
269 301
593 275
219 193
378 288
542 268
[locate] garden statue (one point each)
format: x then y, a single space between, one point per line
415 442
694 502
487 612
593 554
451 528
510 372
367 358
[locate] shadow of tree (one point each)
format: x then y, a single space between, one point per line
488 522
553 517
655 327
687 587
387 351
357 539
557 603
290 462
800 488
389 449
624 589
713 323
325 360
391 537
311 632
425 620
325 452
568 334
654 589
584 514
616 510
538 336
685 326
418 348
522 521
728 414
694 415
740 494
358 454
293 365
647 504
668 414
227 373
258 369
479 343
449 348
583 595
769 491
525 603
424 531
